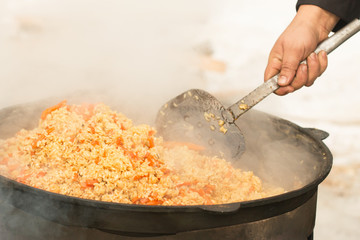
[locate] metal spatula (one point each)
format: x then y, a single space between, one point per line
195 116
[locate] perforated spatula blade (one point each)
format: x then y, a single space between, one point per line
195 116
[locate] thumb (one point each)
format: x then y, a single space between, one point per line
273 67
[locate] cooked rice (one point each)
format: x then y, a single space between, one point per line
89 151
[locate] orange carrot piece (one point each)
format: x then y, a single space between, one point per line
89 183
182 192
150 158
132 154
119 141
51 109
165 171
138 177
50 129
75 177
92 129
154 202
135 199
95 143
151 142
146 201
34 144
114 118
40 174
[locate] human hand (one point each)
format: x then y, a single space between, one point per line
310 26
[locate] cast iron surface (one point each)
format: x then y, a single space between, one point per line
297 224
140 219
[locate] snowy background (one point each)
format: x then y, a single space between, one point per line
153 50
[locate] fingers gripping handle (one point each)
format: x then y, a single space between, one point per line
250 100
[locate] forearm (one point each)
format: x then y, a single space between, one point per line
322 21
346 10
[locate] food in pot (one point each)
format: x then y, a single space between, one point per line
90 151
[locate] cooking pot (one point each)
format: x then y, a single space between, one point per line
280 152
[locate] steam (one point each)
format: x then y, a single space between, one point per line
138 53
279 152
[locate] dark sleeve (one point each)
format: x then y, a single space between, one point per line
346 10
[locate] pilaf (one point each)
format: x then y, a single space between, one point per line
90 151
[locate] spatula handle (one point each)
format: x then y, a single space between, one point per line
250 100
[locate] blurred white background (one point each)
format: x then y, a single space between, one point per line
144 52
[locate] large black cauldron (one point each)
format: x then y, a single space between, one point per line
280 152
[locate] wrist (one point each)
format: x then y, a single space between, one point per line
323 21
